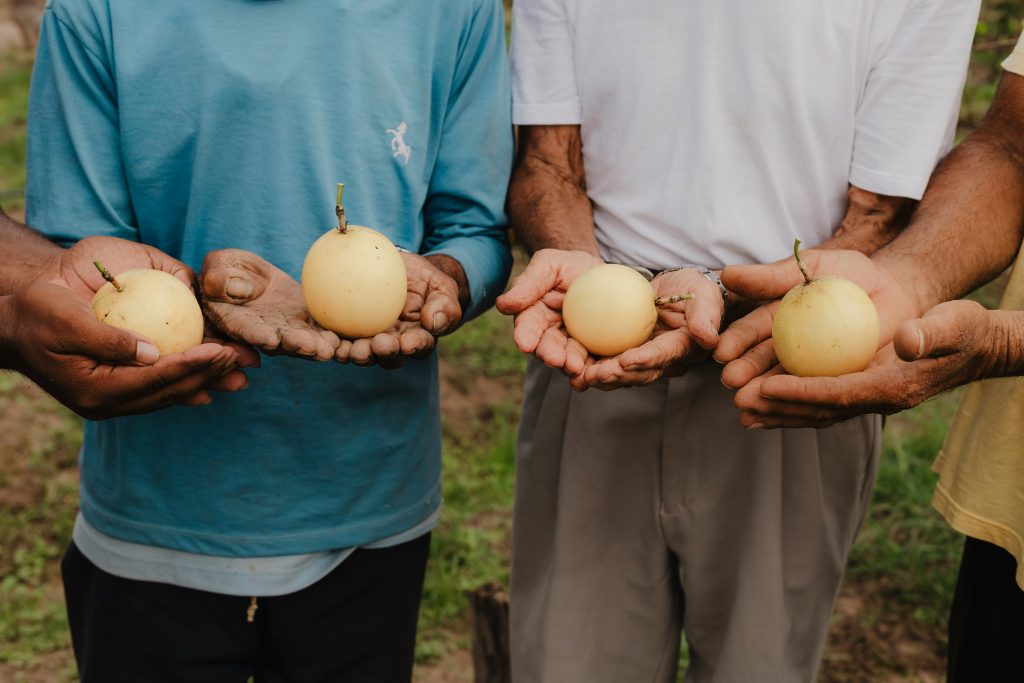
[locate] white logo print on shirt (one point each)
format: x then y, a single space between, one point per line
398 147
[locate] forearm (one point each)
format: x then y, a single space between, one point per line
968 227
872 221
548 206
25 251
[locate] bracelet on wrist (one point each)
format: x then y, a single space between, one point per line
706 272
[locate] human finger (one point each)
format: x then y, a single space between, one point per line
945 329
530 326
746 333
659 352
234 276
754 363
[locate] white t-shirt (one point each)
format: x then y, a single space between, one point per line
717 131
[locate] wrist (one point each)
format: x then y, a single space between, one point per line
915 286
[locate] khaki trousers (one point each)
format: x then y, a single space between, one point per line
644 511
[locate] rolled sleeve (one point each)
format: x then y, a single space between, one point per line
76 184
544 90
908 112
1015 62
465 207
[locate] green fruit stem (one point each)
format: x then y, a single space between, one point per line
665 301
340 211
108 277
800 262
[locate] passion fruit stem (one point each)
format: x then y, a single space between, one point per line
108 277
340 211
666 300
800 261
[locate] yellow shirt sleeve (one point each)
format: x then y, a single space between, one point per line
980 490
1015 62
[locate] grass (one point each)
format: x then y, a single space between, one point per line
905 546
38 499
15 71
470 546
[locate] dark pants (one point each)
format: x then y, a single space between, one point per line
986 624
356 624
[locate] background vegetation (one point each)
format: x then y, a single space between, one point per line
889 620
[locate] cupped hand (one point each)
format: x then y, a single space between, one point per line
745 346
432 309
99 371
953 344
254 302
535 299
684 335
75 269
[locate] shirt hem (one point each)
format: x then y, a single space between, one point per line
890 184
344 536
559 113
1015 63
975 526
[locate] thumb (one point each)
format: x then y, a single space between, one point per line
106 344
68 326
233 276
539 278
440 313
945 329
762 282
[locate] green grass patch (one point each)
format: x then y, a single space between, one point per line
15 71
471 545
905 545
485 347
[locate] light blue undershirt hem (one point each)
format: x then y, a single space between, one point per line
244 576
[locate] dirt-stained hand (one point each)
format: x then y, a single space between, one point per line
253 301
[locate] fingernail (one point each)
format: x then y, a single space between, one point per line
756 425
920 343
146 353
239 288
440 321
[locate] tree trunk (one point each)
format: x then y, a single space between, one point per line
490 635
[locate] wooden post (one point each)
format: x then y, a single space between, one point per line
491 654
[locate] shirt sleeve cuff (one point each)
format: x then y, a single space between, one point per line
888 184
486 263
1015 62
558 113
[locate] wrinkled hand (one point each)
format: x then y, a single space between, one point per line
746 345
97 370
431 309
951 345
535 299
253 301
686 331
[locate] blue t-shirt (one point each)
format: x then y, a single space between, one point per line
196 125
